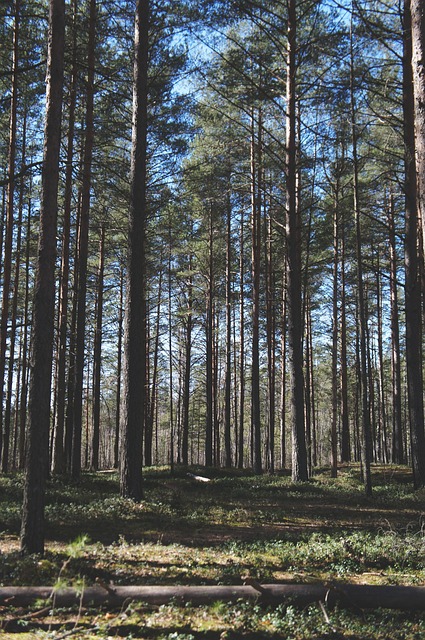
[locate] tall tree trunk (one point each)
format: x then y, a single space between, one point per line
293 258
216 420
412 263
119 368
209 352
170 355
241 412
271 340
417 19
256 245
187 366
83 247
381 377
7 260
59 462
12 340
151 405
37 455
69 417
26 322
282 410
97 354
313 418
397 455
228 373
334 423
345 418
134 393
308 407
363 379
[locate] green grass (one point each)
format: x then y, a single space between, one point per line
234 527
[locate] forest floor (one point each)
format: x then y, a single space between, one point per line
235 527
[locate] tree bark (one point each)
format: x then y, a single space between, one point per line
241 412
345 420
59 461
209 432
37 455
382 415
228 373
25 329
83 247
187 366
293 258
8 240
283 341
172 429
412 261
119 369
271 340
13 320
255 266
69 416
97 354
334 423
152 400
417 17
300 595
397 454
134 369
363 377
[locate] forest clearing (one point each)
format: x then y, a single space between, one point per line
237 528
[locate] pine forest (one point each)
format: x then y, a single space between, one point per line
212 239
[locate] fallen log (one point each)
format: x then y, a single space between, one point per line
196 478
348 595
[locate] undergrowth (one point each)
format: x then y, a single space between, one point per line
235 527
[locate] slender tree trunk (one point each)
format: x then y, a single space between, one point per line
271 339
293 258
97 354
363 380
150 417
134 393
15 453
313 425
345 414
397 432
412 264
59 461
83 247
119 367
26 322
256 244
209 353
282 411
7 260
228 373
241 413
216 420
69 418
308 411
180 397
170 355
2 226
417 22
13 321
334 424
187 367
382 391
37 455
